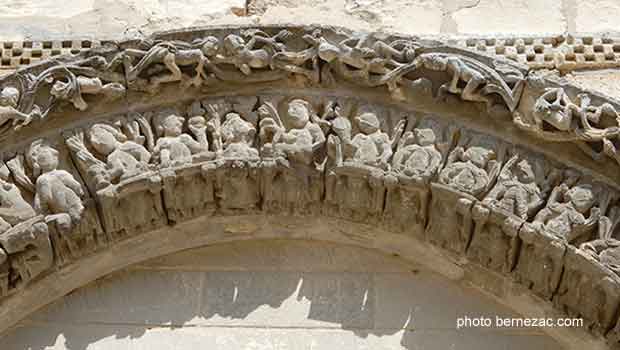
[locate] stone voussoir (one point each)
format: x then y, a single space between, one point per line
449 146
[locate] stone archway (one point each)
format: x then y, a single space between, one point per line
132 150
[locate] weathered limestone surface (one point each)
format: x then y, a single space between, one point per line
130 150
47 19
597 16
507 16
270 294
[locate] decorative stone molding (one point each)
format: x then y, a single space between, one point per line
513 173
563 52
16 54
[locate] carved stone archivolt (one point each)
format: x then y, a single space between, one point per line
420 139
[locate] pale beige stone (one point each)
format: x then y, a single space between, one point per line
597 16
510 17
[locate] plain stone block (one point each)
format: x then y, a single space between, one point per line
525 17
597 16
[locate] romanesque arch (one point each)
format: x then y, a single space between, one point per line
143 148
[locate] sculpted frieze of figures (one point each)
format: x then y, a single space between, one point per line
501 206
252 55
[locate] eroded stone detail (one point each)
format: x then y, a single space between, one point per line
198 153
42 205
595 129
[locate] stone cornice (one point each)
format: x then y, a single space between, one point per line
513 172
565 52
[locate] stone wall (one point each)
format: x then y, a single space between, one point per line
48 19
271 295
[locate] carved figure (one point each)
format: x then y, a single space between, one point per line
372 64
417 154
580 123
13 207
67 90
256 53
124 158
174 147
9 100
472 170
516 191
419 157
172 54
292 146
58 193
570 213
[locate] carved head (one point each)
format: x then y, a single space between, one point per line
480 156
105 138
236 129
168 123
210 46
425 137
233 44
42 157
367 120
9 97
581 197
552 105
525 173
298 113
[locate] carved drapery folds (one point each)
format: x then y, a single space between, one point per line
313 122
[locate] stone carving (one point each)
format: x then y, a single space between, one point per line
171 54
10 116
292 175
519 193
570 213
481 81
420 156
591 278
202 153
237 177
358 163
114 160
582 123
470 171
41 205
589 284
570 216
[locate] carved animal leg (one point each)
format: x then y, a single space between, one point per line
176 75
197 80
469 92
